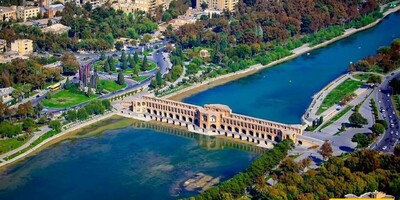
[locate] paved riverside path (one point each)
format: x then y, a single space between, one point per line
319 97
72 128
36 135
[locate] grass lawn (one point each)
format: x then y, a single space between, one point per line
140 78
12 143
342 90
362 77
336 117
111 85
65 99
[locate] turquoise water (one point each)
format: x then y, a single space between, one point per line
128 163
283 93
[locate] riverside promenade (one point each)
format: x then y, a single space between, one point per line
76 126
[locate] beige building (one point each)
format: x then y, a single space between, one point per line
368 195
3 45
23 47
218 4
24 13
143 5
7 13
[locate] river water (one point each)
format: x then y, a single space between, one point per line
283 93
152 162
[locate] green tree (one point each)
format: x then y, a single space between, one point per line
374 79
102 56
28 125
135 72
119 45
136 57
67 84
357 119
159 79
56 125
82 114
49 22
204 5
106 66
153 83
361 139
378 128
144 64
121 79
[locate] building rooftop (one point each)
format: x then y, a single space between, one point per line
6 91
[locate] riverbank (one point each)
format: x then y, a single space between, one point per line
205 85
53 140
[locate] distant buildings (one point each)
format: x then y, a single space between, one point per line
7 13
56 29
142 5
24 12
5 95
368 195
51 10
218 4
3 45
22 46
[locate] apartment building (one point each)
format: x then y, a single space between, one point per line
7 13
24 12
218 4
22 46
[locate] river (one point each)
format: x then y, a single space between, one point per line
282 93
152 162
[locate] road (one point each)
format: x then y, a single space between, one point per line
388 113
158 57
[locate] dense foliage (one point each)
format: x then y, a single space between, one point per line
387 59
365 171
237 186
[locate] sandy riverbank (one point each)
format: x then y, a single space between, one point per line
205 85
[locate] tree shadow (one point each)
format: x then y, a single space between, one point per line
316 159
346 149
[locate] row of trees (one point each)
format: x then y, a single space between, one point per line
240 183
387 59
364 171
93 107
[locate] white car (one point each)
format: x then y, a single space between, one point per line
384 148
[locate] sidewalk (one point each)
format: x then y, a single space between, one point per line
36 135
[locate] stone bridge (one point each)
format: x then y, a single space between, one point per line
212 119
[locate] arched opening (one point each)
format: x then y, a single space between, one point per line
266 143
236 130
171 115
177 116
277 139
165 114
148 111
196 122
257 135
204 126
244 131
213 126
229 128
222 127
251 133
155 112
184 118
269 137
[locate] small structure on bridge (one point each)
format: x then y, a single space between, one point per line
213 119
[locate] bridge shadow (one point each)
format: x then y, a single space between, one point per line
346 149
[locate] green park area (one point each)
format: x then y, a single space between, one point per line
141 78
111 85
99 65
67 98
7 145
362 77
341 92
